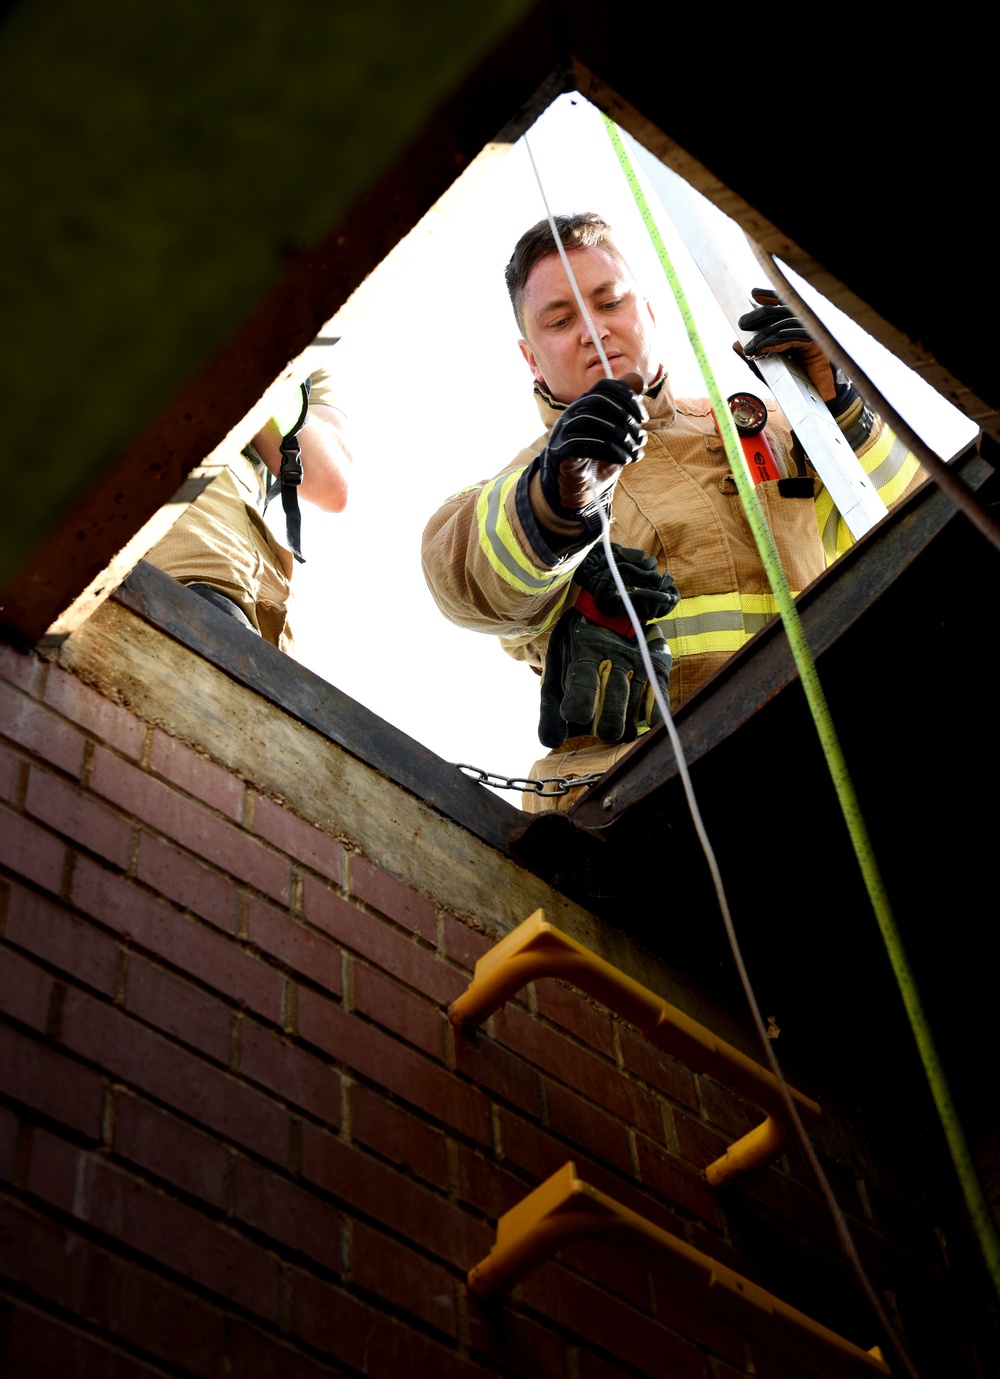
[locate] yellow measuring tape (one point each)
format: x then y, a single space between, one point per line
975 1198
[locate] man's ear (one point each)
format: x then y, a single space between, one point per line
529 359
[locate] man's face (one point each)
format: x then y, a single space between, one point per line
559 347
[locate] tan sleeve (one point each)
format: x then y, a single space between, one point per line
487 564
322 389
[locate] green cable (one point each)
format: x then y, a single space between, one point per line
975 1198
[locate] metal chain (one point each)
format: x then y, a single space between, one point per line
561 785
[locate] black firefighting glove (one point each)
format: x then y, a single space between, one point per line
604 425
652 595
595 683
779 330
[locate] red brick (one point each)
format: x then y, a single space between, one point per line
9 764
585 1127
196 828
169 1148
393 1007
142 1218
513 1344
35 728
290 1072
592 1366
61 938
333 1322
398 954
36 1252
290 1215
727 1110
8 1142
255 1355
490 1065
307 954
299 839
100 717
464 944
692 1317
587 1073
697 1142
191 1015
137 1306
486 1185
44 1348
30 851
794 1203
621 1271
16 667
675 1181
590 1023
611 1324
25 990
207 781
391 897
398 1136
525 1145
657 1068
370 1341
49 1082
178 876
539 1155
150 1063
402 1277
155 926
68 810
390 1064
382 1193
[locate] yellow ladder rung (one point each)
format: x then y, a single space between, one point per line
537 949
564 1209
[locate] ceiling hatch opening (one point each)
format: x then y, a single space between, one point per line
427 369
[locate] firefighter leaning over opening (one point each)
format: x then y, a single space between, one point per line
515 555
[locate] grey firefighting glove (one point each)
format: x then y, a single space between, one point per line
604 425
595 683
779 331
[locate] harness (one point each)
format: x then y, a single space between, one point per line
289 478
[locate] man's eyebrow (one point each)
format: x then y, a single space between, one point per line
560 303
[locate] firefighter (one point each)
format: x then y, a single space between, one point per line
515 554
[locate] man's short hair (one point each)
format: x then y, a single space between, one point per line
583 231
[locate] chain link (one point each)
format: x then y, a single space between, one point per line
561 785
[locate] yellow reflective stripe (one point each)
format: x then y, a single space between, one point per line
500 545
716 622
831 527
890 466
893 467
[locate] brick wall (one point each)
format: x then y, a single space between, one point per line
238 1136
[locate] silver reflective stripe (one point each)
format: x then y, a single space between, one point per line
502 558
891 465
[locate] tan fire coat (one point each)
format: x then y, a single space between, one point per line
490 568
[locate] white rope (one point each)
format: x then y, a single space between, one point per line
840 1221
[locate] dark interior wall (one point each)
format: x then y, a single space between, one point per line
169 162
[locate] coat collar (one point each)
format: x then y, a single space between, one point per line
658 398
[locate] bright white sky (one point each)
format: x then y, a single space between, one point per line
438 397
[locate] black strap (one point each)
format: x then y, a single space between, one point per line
289 478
